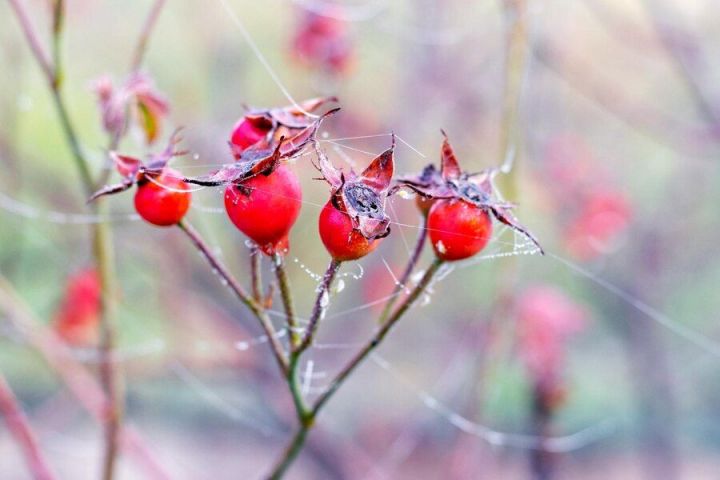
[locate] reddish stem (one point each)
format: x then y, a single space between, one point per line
20 429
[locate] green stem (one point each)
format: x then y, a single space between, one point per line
402 282
307 416
378 337
239 292
517 50
290 454
256 275
286 294
319 307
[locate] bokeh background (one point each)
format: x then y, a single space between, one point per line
616 173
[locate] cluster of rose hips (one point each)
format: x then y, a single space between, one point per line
263 195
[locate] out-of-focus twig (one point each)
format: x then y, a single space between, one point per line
145 34
19 428
76 377
102 244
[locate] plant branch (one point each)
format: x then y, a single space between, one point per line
239 292
517 51
319 307
412 262
19 427
256 274
33 42
145 34
102 245
290 454
74 375
378 337
286 294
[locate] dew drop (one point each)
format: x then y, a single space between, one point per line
440 247
340 286
324 299
405 194
417 276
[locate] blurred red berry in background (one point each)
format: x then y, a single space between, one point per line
597 228
77 317
593 212
546 319
322 42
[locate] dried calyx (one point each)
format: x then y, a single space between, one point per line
362 197
451 182
134 171
289 131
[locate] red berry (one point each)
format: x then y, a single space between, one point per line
341 240
458 229
247 133
164 200
265 207
77 318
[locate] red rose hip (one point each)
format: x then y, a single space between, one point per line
341 240
265 207
163 200
247 133
458 229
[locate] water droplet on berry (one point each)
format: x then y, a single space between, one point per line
441 247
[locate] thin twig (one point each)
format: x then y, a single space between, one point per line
74 375
307 417
256 274
102 245
240 293
409 268
145 34
290 454
286 294
378 337
19 427
320 305
33 41
515 74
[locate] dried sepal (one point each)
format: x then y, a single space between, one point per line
449 166
451 182
133 170
263 157
294 117
257 160
362 196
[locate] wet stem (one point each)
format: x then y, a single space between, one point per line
101 236
403 280
307 415
227 278
289 363
19 427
